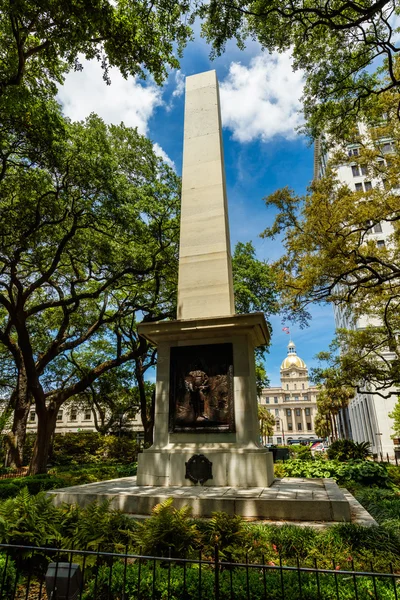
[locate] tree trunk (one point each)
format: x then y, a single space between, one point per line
47 420
15 440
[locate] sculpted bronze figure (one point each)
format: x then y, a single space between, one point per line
201 388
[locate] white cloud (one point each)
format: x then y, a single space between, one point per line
162 154
263 99
180 84
124 100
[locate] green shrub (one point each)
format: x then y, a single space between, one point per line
120 449
35 484
29 520
8 574
381 504
229 532
363 472
343 450
292 541
161 583
300 451
79 447
318 468
96 526
367 473
168 527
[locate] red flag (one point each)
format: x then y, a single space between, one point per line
286 330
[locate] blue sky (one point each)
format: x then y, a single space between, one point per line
261 108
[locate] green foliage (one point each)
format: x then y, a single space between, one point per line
169 583
87 448
29 520
300 452
266 420
229 533
363 472
383 505
343 450
8 575
41 41
167 528
395 415
334 44
96 526
291 541
34 484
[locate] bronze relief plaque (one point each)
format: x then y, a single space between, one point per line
201 388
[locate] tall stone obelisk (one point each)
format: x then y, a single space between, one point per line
206 424
205 287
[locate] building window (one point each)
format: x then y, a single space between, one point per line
278 425
277 412
279 440
308 426
355 169
377 228
59 415
387 147
290 426
288 412
298 412
367 185
275 400
305 397
299 427
267 400
302 386
287 398
295 386
32 416
296 398
307 411
364 170
359 187
353 152
380 243
73 415
287 386
87 415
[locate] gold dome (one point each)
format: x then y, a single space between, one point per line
292 360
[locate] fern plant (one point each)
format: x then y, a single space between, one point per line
229 533
168 527
29 520
96 526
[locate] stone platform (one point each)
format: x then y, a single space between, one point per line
288 499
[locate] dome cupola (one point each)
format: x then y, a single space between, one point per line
292 360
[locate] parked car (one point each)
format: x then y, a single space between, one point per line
319 447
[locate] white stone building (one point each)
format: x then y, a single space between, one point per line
294 404
367 415
71 420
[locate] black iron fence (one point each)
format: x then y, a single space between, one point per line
45 573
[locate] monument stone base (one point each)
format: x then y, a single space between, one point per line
293 500
234 467
234 452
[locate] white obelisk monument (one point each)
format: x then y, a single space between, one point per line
206 399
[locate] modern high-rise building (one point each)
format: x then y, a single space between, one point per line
368 413
294 404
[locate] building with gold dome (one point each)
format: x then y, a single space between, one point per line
294 404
